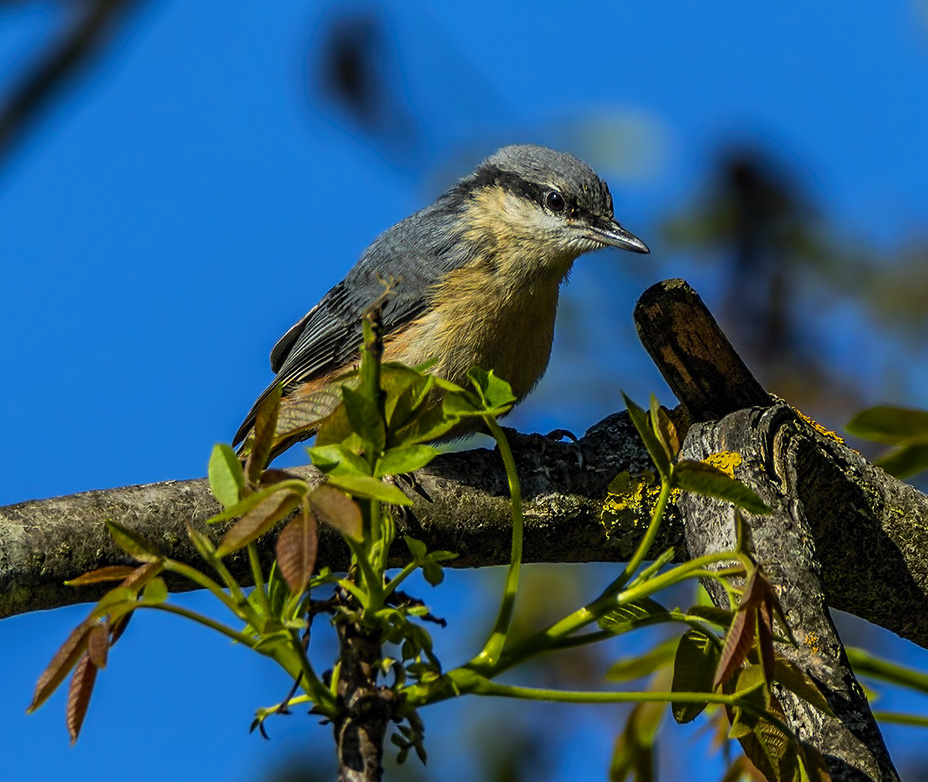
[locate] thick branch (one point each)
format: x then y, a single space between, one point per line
772 443
45 542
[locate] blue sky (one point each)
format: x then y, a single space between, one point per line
176 213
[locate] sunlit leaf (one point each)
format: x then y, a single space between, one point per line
100 575
632 615
365 418
297 545
642 423
156 591
336 459
258 521
226 477
85 674
416 547
370 488
703 478
495 393
132 543
202 543
405 459
669 434
332 507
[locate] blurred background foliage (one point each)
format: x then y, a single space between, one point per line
180 182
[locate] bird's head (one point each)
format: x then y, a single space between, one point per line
541 209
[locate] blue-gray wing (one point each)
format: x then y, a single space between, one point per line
408 259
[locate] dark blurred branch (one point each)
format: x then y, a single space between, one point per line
62 63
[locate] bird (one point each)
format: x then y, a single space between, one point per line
473 280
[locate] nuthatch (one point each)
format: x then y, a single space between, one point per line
475 280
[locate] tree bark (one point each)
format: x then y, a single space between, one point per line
807 480
784 544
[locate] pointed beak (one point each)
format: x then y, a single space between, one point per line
610 232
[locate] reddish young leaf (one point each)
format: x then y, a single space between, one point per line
79 695
296 551
64 660
108 573
337 510
738 643
272 475
765 640
258 520
140 576
119 627
264 431
133 543
98 643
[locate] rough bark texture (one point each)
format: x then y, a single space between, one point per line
820 495
367 708
45 542
783 542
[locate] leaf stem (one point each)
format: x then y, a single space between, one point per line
492 651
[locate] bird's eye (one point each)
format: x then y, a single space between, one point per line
555 201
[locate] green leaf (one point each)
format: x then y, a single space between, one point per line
338 511
132 543
656 451
226 478
202 543
364 418
338 459
461 404
416 547
891 425
155 591
397 461
693 671
711 614
798 682
433 573
905 462
428 425
247 503
495 393
441 556
258 520
370 488
633 615
704 478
